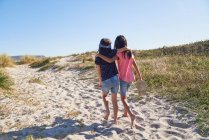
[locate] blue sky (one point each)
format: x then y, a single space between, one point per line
63 27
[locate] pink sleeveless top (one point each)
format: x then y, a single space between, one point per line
125 68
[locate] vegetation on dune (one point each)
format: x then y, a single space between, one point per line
182 74
5 61
28 59
5 81
35 80
40 63
86 61
45 64
183 78
48 66
195 49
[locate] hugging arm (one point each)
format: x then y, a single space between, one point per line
109 60
137 70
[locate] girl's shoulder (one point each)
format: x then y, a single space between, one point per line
121 54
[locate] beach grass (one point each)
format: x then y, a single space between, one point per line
5 61
28 59
180 73
45 64
40 63
86 61
5 81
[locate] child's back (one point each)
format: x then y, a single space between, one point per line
108 70
125 67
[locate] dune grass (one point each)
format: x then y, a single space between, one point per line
40 63
5 61
5 81
184 79
86 61
28 59
45 64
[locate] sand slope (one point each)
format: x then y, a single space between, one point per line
68 105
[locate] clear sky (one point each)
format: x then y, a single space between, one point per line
63 27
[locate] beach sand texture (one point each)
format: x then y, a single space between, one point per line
68 105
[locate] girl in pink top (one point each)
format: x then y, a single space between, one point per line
125 62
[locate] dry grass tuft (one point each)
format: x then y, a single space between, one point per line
5 61
28 59
35 80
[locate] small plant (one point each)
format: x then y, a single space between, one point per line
6 61
74 113
29 137
5 81
47 117
35 80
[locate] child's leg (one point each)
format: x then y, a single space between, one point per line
125 111
123 89
126 106
115 107
106 104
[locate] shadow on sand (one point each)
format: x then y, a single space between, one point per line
62 128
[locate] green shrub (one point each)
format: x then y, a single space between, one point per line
5 81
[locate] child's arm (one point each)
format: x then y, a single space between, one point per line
99 74
109 60
136 69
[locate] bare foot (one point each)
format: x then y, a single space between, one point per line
115 122
107 113
133 117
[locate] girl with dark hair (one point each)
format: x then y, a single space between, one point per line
108 78
125 62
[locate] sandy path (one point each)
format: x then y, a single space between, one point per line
66 105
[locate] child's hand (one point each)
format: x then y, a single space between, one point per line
97 55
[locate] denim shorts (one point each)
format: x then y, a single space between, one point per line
124 86
110 84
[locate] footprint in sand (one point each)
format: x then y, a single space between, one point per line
155 125
177 134
140 128
177 124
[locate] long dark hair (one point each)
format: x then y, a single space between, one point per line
105 42
121 42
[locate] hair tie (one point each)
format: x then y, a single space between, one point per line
102 46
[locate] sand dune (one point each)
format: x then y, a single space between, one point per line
68 105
